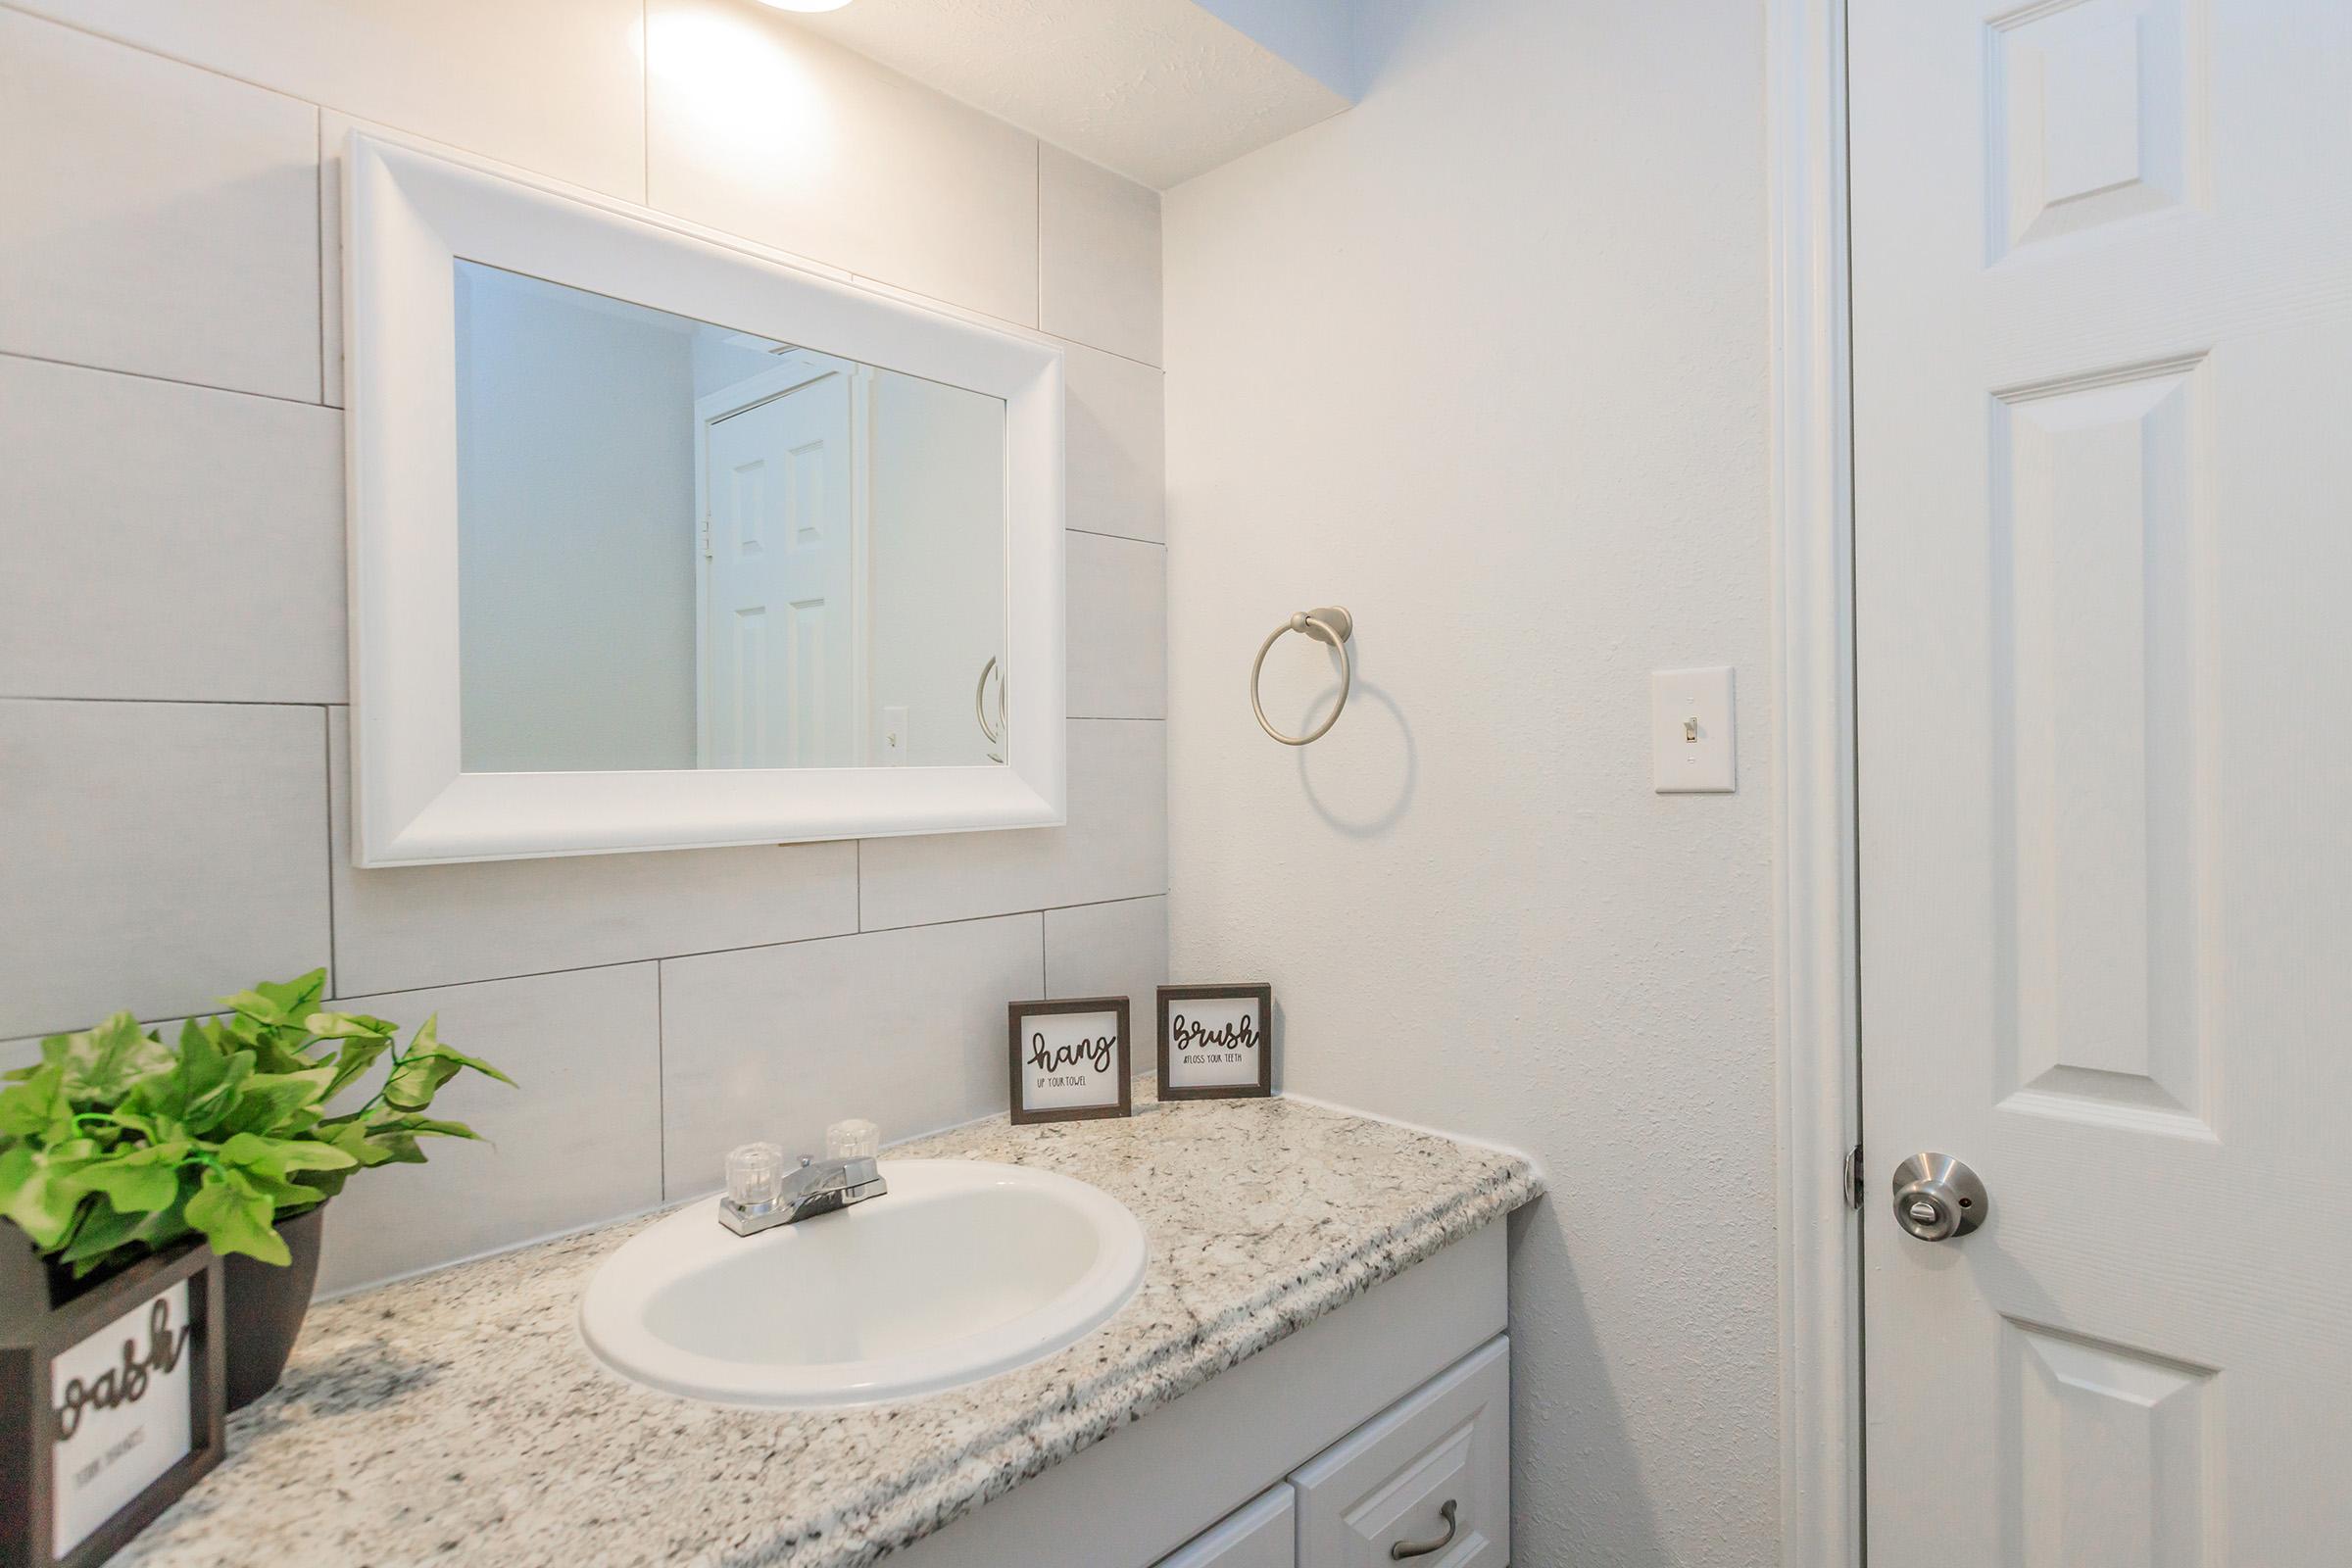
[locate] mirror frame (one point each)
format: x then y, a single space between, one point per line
407 216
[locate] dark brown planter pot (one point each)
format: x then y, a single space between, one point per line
264 1305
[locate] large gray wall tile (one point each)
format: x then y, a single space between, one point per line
156 857
1113 950
425 925
167 541
768 131
1116 438
1115 847
906 1028
1098 266
161 219
557 85
1118 624
577 1141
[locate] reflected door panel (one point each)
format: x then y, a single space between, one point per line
683 546
783 678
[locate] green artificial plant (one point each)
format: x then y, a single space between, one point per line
116 1143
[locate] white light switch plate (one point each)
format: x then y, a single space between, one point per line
1691 749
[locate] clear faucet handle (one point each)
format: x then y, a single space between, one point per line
855 1139
755 1174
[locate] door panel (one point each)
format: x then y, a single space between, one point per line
2102 277
780 611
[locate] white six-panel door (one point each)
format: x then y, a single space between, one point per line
781 643
2102 330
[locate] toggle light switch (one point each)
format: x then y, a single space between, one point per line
1690 750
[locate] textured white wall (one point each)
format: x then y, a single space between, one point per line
174 794
1484 361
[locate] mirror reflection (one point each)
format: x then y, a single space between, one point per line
683 546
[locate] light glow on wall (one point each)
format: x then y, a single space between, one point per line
751 104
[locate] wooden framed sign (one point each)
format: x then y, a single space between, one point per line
1069 1059
111 1406
1216 1042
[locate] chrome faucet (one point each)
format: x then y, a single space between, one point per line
761 1196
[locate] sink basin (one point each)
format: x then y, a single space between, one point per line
964 1269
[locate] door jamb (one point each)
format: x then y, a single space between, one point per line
1817 1014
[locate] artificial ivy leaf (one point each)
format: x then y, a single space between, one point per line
396 1147
424 1127
280 1002
359 1052
38 1189
237 1219
272 1102
36 1103
349 1026
210 1079
103 1233
102 1064
137 1183
278 1155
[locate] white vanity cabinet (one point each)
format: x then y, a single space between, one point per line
1433 1472
1428 1481
1324 1451
1264 1535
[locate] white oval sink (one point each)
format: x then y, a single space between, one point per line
961 1271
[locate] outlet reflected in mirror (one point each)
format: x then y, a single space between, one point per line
682 546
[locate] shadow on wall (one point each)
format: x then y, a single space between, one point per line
1553 1348
1356 798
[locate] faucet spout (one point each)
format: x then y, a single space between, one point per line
818 1187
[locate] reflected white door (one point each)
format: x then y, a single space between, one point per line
781 672
2102 325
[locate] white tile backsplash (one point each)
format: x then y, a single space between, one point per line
429 925
174 218
1111 950
768 131
1115 847
158 218
167 541
156 856
1117 445
555 86
576 1140
906 1028
1098 257
1118 628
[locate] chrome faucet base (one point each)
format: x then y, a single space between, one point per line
818 1187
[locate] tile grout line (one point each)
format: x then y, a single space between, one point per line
174 381
336 995
1123 538
327 751
318 235
661 1082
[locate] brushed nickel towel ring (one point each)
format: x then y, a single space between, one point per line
1330 624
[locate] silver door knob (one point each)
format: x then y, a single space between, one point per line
1937 1198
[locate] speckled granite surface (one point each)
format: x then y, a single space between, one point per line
458 1417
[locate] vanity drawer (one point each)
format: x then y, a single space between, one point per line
1388 1481
1263 1533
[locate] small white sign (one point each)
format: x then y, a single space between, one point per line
1068 1060
122 1407
1212 1040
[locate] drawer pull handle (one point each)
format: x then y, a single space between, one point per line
1422 1548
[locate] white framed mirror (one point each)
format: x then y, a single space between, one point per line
659 542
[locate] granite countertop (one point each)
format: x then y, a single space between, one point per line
459 1418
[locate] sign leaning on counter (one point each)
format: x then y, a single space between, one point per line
1216 1042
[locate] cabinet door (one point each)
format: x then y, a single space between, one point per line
1260 1535
1433 1471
